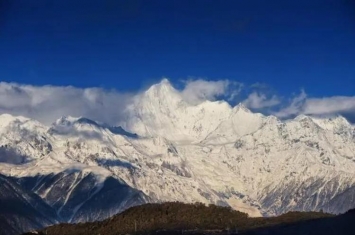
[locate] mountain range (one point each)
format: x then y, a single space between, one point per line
166 149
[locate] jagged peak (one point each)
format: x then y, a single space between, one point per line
118 130
7 119
337 119
163 85
10 117
66 120
341 119
272 119
163 93
70 122
73 120
241 107
332 123
165 82
303 117
84 120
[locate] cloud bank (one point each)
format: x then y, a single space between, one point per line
48 103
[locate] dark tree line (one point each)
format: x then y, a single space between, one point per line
178 217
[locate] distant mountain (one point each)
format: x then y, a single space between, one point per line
170 150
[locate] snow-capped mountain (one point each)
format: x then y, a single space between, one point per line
170 150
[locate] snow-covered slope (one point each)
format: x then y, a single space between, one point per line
44 162
77 196
171 150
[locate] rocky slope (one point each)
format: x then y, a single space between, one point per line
22 210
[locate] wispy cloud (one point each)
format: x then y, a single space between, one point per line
326 106
47 103
11 156
329 105
295 106
257 100
197 91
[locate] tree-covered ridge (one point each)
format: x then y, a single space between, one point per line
178 217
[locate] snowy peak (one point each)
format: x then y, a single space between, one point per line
161 111
71 121
336 121
65 121
23 126
240 122
241 108
338 124
324 121
120 131
163 84
159 100
303 117
72 125
162 90
244 116
272 120
6 119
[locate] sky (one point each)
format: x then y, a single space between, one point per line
278 57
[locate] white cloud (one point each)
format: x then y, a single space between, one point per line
329 105
258 100
47 103
333 105
295 107
197 91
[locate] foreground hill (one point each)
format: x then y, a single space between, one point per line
175 217
338 225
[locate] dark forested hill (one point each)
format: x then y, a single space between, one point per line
339 225
178 218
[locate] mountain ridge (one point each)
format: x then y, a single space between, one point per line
171 150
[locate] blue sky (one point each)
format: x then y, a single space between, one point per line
127 45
